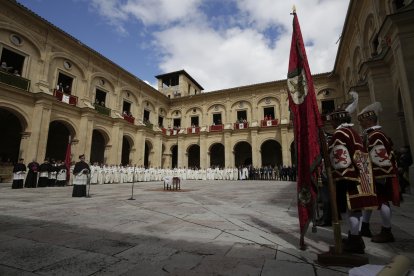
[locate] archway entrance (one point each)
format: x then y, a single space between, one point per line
126 149
217 155
293 155
57 140
98 147
11 135
174 156
194 156
242 154
147 154
271 153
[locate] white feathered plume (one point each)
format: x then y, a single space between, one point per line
353 105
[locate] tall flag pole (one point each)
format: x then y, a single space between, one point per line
67 158
306 121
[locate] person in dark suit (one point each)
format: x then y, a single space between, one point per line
19 172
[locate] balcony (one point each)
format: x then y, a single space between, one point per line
216 128
65 98
148 124
171 132
241 125
193 130
269 123
15 81
129 118
102 109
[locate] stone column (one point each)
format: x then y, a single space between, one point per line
115 153
39 131
256 154
228 150
204 156
180 152
157 150
138 157
285 146
84 137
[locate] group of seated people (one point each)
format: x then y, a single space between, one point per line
9 69
127 113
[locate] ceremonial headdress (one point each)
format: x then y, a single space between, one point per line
346 109
371 111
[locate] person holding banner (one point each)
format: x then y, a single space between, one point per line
352 174
384 167
81 174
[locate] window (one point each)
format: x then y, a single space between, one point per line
328 106
126 107
64 83
217 119
194 121
13 61
100 97
241 115
177 122
269 112
170 81
146 115
160 121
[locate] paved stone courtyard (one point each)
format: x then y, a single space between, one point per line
207 228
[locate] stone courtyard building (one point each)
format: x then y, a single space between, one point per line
64 88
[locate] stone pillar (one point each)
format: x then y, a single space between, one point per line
228 150
157 150
180 152
285 146
204 155
84 137
39 131
115 153
256 154
24 146
138 157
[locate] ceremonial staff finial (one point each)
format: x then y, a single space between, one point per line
293 9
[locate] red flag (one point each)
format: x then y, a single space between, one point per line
306 120
67 159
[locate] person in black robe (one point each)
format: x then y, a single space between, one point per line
44 169
19 170
51 182
61 174
31 179
81 175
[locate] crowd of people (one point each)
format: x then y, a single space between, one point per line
9 69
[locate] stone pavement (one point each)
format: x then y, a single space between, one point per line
207 228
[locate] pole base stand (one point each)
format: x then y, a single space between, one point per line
343 259
131 198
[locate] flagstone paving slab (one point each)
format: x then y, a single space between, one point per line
220 228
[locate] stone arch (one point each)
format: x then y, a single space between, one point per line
72 58
108 86
148 153
68 122
193 154
12 132
100 140
368 36
18 112
36 44
242 153
58 139
217 154
217 108
241 105
271 152
127 145
193 112
268 102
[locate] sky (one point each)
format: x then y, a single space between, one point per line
220 43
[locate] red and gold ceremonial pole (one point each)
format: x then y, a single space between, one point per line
308 137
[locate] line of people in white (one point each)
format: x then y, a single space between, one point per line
129 174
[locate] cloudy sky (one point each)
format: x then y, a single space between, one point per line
220 43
